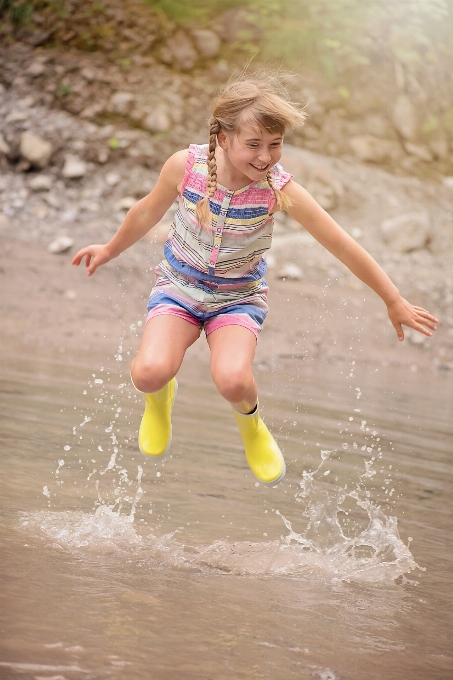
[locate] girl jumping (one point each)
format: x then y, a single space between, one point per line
212 273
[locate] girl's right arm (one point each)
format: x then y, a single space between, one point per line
142 217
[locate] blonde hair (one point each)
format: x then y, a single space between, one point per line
261 102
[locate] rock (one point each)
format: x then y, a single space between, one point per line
410 231
440 148
4 147
103 156
35 149
270 261
220 70
60 245
448 182
125 203
165 55
112 179
157 121
41 183
207 42
52 200
291 271
39 211
121 102
36 68
377 125
236 24
17 117
74 167
324 186
182 50
373 149
69 215
420 151
405 117
92 110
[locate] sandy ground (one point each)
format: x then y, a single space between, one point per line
49 307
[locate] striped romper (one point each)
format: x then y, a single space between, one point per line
215 278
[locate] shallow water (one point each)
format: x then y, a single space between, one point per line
116 566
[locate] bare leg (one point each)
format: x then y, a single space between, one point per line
164 343
232 351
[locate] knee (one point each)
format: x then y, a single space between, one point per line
150 377
233 384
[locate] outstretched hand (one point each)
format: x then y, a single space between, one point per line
95 256
401 312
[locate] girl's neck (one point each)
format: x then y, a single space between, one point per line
227 175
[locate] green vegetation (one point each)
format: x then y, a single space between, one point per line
333 35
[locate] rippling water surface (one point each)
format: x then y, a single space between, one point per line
116 566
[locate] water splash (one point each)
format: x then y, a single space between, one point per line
322 552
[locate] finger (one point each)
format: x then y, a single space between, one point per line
78 257
399 331
429 316
92 268
421 329
427 323
88 260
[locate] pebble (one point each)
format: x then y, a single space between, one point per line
121 102
290 271
182 50
60 245
17 117
207 42
125 203
112 179
69 215
373 149
74 167
4 147
157 121
35 149
406 232
41 183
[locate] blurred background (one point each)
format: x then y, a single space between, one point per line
376 76
96 94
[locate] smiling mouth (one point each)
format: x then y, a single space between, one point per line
260 168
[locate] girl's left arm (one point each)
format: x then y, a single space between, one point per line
329 234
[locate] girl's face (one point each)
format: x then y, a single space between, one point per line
251 151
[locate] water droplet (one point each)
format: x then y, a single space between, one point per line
66 448
158 474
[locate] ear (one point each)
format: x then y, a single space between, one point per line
222 139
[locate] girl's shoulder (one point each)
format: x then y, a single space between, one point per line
195 169
279 176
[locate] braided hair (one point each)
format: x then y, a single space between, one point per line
203 210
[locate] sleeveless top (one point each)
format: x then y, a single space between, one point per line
241 226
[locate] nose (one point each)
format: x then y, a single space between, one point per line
264 157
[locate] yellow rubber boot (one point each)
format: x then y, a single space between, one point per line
261 450
154 436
